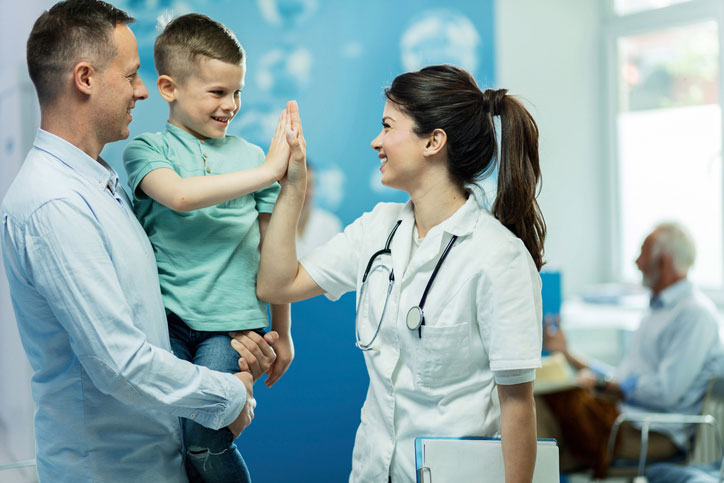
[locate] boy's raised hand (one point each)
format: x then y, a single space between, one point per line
278 157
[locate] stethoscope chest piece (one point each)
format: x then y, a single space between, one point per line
414 317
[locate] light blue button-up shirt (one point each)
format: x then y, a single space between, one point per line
87 301
672 357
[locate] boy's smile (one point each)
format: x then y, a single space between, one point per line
208 100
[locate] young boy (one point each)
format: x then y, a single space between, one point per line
204 199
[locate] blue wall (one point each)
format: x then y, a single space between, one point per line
335 58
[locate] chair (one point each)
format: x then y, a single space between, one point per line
19 471
706 446
17 464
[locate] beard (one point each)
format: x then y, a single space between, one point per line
650 276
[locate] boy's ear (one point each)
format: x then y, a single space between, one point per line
167 87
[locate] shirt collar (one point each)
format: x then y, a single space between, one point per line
97 171
461 223
671 294
186 136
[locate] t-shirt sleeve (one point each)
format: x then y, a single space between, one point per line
334 265
266 197
141 156
509 310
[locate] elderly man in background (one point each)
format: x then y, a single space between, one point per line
666 367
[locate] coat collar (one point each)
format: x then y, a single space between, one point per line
461 223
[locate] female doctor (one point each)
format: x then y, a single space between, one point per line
448 293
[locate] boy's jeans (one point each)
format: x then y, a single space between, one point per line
210 455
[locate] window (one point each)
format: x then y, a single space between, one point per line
667 127
623 7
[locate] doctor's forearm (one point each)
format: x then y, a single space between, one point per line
278 266
518 431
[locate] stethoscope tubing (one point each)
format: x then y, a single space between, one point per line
391 282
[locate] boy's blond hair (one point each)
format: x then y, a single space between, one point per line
189 37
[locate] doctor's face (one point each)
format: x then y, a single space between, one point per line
399 149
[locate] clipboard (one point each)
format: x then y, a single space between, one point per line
442 460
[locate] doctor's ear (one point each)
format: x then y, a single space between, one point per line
166 87
435 142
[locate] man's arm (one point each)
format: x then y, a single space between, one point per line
247 412
683 351
518 431
186 194
66 252
554 340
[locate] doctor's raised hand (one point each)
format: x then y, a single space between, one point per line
297 168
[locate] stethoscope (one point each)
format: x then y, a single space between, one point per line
415 316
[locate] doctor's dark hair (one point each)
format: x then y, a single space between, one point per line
70 32
188 38
448 98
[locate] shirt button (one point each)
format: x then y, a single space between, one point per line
205 155
201 141
192 416
208 170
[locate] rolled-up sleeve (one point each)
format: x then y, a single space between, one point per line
64 253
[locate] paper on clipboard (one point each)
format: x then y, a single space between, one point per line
443 460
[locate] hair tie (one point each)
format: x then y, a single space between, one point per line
493 101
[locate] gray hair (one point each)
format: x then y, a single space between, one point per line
673 239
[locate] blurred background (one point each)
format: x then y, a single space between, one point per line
627 95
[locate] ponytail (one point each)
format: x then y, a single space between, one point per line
448 98
515 205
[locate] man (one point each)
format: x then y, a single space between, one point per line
83 277
666 367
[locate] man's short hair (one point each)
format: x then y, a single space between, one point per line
70 32
189 37
674 239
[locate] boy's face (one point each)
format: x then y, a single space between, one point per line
209 99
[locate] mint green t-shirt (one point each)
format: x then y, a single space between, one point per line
208 258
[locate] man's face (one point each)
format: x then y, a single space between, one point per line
647 263
119 88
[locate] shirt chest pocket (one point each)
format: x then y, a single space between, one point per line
444 356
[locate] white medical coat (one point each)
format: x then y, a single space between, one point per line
482 314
